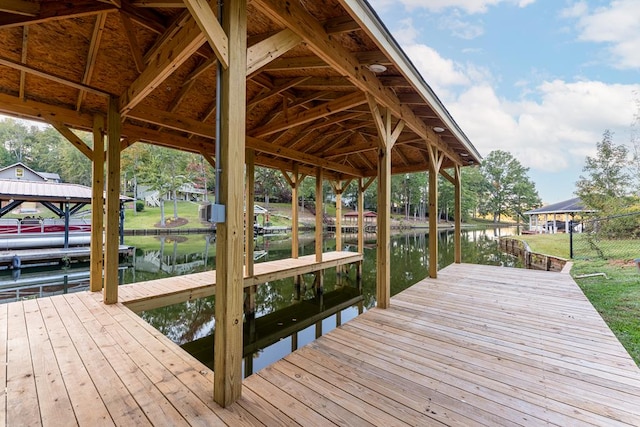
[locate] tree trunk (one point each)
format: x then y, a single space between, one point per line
162 223
175 204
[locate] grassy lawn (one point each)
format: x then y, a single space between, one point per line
616 297
151 216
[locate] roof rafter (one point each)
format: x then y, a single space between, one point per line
20 7
165 59
324 110
56 10
292 15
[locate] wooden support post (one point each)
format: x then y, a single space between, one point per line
433 215
319 234
227 380
457 241
338 189
319 209
295 242
361 190
383 286
249 211
112 229
97 205
387 136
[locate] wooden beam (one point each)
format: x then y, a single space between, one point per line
134 46
270 49
230 236
97 206
433 216
351 149
49 76
295 187
55 10
23 59
96 37
74 139
20 7
324 110
448 177
171 4
276 90
112 229
42 112
208 23
250 190
457 242
295 17
383 261
172 121
319 214
299 156
166 58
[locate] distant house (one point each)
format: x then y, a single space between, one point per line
555 217
22 172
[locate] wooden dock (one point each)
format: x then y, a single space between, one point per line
172 290
50 256
478 346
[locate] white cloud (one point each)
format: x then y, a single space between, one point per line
552 133
468 6
460 28
615 25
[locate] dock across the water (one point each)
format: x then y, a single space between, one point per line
49 256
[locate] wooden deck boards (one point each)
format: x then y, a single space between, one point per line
172 290
477 346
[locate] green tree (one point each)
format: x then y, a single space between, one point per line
270 183
162 170
606 183
509 189
18 140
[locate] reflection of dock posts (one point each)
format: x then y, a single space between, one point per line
294 341
248 365
318 328
250 311
338 318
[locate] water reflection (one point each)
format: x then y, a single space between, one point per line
192 326
271 331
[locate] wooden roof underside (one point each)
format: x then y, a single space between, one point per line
308 80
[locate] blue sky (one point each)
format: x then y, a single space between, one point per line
541 79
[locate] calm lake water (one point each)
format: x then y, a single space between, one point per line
285 319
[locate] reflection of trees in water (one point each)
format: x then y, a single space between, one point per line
183 322
409 264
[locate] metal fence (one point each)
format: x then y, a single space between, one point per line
612 237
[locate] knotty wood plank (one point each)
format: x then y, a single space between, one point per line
289 405
53 400
322 384
3 362
283 376
537 380
87 404
155 405
461 386
120 403
192 375
21 394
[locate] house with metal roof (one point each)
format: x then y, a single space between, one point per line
555 217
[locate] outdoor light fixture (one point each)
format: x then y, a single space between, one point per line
438 129
377 68
464 154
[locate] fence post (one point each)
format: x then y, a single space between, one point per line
571 239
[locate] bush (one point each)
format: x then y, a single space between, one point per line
139 206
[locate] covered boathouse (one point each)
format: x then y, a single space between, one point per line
312 88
